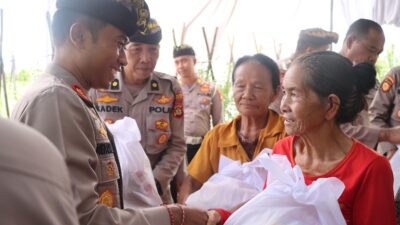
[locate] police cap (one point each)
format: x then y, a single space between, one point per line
151 35
183 50
115 12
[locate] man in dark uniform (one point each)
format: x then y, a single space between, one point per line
90 37
154 100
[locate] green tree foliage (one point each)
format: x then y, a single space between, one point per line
387 60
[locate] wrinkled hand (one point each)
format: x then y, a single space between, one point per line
213 217
195 216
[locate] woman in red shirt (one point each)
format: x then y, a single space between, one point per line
321 91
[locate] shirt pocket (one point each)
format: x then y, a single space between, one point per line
159 133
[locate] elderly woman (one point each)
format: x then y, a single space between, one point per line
255 83
322 91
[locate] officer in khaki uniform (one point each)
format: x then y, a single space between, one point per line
154 100
35 187
384 110
202 100
89 38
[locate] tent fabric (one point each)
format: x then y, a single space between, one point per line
386 12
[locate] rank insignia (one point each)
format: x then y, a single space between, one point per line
177 112
107 99
163 99
114 84
387 83
110 169
81 93
205 88
162 125
154 85
162 139
107 198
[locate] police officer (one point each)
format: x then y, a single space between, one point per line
154 100
310 40
364 42
90 37
202 100
35 188
384 110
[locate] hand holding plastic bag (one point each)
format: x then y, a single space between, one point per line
288 200
139 188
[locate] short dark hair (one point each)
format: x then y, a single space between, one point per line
63 20
331 73
361 28
263 60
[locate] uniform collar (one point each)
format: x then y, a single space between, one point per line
274 126
63 74
152 86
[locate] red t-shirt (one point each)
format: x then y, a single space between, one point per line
368 195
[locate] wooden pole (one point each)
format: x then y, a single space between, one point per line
2 74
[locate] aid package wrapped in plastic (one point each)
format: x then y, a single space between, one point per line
288 200
139 188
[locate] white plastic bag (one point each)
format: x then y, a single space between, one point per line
395 164
139 188
288 200
234 184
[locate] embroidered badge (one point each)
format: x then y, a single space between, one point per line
162 125
205 88
107 99
387 83
110 169
177 112
80 93
107 198
154 85
114 84
163 99
162 139
103 132
205 101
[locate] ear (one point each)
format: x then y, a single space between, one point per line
194 60
77 35
333 106
350 41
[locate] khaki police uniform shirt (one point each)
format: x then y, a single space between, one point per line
35 188
57 106
384 110
158 111
201 100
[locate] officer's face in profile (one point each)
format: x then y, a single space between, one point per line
365 49
102 57
185 65
252 90
142 59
